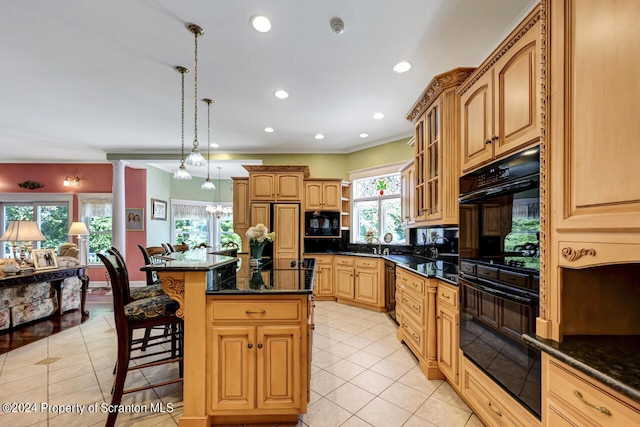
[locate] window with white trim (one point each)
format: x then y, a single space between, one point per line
97 214
376 209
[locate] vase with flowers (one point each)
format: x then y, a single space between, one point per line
258 237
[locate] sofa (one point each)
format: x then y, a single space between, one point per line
26 303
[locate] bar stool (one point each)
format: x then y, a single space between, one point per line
144 313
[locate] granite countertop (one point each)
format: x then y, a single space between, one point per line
192 260
612 360
273 277
432 268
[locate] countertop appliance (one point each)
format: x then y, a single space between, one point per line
390 288
322 224
499 273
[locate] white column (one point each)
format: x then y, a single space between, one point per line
118 190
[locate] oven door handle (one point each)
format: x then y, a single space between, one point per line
510 187
498 293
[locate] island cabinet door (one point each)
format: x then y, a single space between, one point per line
233 359
279 367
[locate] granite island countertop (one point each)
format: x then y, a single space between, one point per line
612 360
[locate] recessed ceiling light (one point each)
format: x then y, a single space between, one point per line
214 145
282 94
402 67
363 135
378 116
268 129
319 136
261 23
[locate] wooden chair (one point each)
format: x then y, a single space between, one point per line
149 257
144 313
152 289
181 247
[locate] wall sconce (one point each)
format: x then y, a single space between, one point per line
71 181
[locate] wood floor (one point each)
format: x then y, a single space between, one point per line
98 304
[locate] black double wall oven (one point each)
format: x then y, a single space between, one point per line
499 273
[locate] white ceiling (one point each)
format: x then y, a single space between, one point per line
81 79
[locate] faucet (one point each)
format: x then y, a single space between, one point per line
371 239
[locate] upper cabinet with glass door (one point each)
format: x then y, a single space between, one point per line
436 119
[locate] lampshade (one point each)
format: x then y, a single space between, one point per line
78 229
22 231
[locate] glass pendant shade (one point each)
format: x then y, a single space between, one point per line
208 185
182 173
195 158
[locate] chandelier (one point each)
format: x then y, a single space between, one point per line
219 211
182 172
208 184
195 158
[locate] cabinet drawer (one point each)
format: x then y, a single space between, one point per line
467 267
517 279
410 281
367 263
348 261
413 334
414 307
576 394
254 310
448 296
321 259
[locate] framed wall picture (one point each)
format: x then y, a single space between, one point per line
158 209
44 259
135 219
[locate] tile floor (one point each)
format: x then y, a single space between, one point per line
361 376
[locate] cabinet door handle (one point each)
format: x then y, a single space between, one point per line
445 296
250 345
494 138
488 141
416 307
260 345
600 409
256 312
498 413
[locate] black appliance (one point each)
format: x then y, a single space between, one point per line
322 224
390 288
499 273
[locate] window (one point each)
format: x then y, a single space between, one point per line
376 208
192 224
97 214
52 217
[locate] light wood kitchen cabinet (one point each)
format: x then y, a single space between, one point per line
572 399
276 183
592 152
491 404
416 316
323 277
322 195
286 224
436 119
408 191
241 218
259 357
261 214
345 203
448 346
359 281
500 101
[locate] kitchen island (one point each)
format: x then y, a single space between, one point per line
247 348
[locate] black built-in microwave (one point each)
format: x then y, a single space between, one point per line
322 224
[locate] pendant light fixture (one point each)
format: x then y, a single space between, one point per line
195 158
208 184
182 172
219 211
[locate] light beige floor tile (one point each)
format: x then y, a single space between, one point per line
443 414
322 359
325 413
404 396
24 373
447 394
322 342
350 397
416 421
380 413
363 358
354 421
69 385
404 357
341 349
390 369
372 382
359 342
17 419
324 382
416 379
381 350
345 369
21 385
474 421
69 372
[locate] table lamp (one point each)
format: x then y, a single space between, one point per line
24 232
80 229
